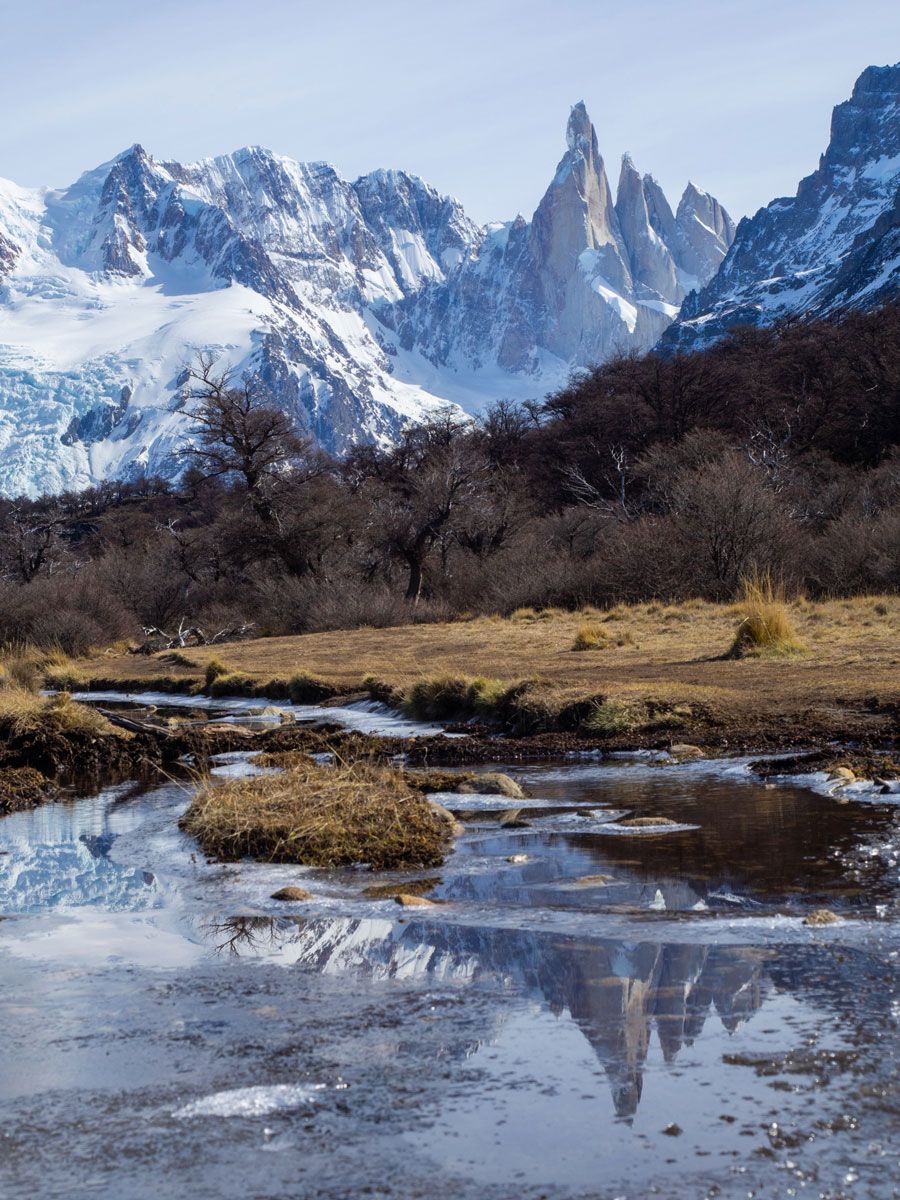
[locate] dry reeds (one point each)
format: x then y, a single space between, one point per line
766 629
318 815
591 637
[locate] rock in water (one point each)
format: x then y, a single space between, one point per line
408 901
491 783
646 822
455 827
292 893
685 750
822 916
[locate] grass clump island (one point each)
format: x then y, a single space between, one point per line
319 815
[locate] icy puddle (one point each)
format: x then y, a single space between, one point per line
593 1010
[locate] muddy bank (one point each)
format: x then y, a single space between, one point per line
843 763
22 788
145 749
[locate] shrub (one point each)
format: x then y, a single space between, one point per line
766 629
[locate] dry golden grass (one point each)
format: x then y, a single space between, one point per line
591 636
30 668
23 671
319 816
766 629
23 711
678 658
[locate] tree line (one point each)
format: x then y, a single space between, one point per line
648 477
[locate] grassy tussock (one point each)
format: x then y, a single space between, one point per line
234 683
304 688
595 637
591 637
30 668
215 669
318 815
766 630
611 717
23 711
23 672
445 697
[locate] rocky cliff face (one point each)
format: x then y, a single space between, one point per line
836 244
360 306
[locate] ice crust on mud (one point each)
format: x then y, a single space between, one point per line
251 1101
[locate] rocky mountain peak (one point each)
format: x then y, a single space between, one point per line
866 127
580 135
836 243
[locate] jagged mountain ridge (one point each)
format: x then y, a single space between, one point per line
835 245
360 305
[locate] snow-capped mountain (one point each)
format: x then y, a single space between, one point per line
834 245
360 306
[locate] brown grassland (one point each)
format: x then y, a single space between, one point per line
839 675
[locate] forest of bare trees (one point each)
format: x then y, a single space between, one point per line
647 477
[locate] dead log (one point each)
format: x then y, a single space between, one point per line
135 726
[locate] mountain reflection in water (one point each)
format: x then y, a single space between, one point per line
615 992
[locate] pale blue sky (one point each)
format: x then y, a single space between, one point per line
472 95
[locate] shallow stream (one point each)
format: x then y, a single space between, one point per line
622 1014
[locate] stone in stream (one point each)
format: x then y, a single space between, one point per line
513 819
594 880
685 750
646 822
822 916
455 827
492 783
518 858
844 774
292 893
408 887
408 901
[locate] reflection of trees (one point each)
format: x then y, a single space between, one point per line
617 993
254 935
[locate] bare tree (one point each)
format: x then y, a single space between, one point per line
238 433
418 491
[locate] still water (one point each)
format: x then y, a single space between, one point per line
623 1014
